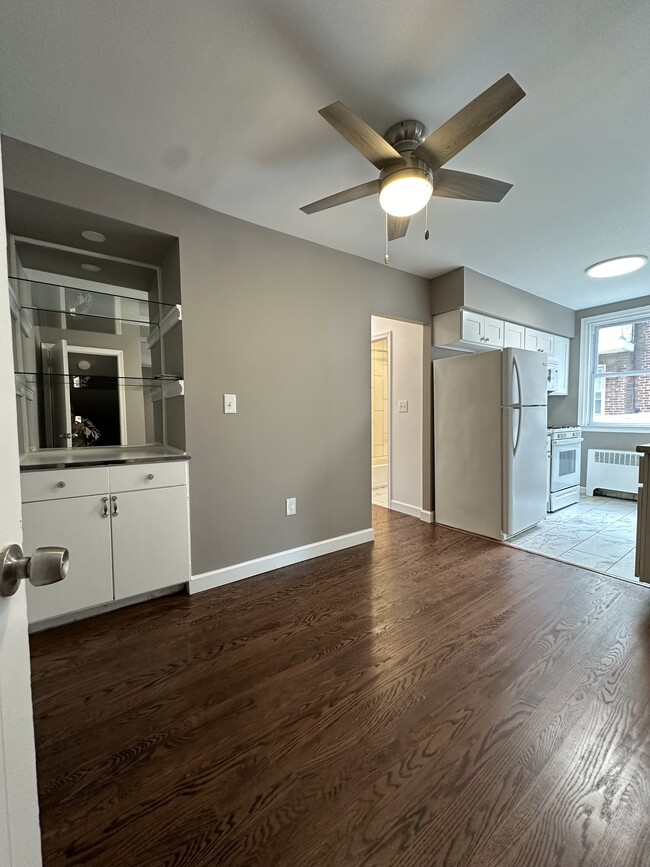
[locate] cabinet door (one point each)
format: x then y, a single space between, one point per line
150 540
532 339
513 335
561 353
473 325
493 331
546 342
77 524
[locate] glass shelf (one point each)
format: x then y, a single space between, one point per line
74 305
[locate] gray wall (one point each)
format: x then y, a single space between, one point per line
281 322
466 288
564 410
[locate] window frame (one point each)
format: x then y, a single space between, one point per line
589 365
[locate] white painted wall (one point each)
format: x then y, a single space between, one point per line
406 447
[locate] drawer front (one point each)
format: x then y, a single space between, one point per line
59 484
138 477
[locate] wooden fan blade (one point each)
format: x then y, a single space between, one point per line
461 185
341 198
397 227
361 136
468 124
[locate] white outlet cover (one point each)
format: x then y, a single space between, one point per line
403 406
291 505
230 403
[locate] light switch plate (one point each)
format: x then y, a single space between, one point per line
291 506
403 406
230 403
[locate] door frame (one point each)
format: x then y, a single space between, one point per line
375 338
121 390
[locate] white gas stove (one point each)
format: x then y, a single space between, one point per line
564 450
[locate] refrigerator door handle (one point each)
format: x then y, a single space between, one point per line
515 445
517 380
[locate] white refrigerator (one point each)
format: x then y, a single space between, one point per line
490 441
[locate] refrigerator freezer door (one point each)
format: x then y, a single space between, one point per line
524 467
524 378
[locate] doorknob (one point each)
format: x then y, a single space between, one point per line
45 566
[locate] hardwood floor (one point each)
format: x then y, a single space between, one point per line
434 699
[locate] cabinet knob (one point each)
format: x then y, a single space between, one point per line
60 484
149 476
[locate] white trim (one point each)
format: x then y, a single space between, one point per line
170 388
405 508
113 605
169 320
388 337
427 517
219 577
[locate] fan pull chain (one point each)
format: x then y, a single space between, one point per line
386 256
426 222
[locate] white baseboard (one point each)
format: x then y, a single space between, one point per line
405 508
427 517
219 577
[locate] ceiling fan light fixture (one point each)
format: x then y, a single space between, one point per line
616 267
405 192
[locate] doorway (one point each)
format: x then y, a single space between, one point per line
400 428
380 418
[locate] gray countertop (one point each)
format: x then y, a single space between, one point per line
101 456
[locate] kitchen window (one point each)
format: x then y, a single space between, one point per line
615 371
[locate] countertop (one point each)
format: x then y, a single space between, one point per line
47 459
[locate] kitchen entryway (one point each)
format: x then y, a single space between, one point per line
598 533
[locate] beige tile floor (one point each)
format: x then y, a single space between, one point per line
380 496
598 533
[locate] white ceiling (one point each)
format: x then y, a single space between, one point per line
217 102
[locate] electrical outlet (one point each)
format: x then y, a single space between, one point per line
291 506
230 403
403 406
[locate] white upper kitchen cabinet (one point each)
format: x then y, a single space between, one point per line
514 335
539 341
561 354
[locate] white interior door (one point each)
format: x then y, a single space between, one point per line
60 391
20 844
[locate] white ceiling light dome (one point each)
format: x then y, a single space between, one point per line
617 267
405 192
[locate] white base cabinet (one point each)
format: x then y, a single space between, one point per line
126 527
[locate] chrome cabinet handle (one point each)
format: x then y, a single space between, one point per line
60 484
105 509
45 566
115 510
150 476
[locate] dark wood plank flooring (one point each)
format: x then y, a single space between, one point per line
432 699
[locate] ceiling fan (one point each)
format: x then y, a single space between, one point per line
410 162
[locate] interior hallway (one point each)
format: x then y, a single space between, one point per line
434 698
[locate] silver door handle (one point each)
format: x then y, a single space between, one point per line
115 509
105 509
45 566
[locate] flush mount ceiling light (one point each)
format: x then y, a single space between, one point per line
617 267
404 192
90 235
88 267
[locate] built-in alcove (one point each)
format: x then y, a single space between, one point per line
98 346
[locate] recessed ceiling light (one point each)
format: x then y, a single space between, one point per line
89 235
88 267
616 267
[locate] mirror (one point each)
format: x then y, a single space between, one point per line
89 361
